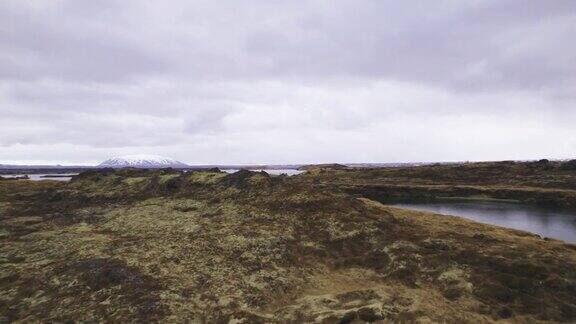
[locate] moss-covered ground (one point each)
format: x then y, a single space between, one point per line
210 247
543 182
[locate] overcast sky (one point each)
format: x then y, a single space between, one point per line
269 81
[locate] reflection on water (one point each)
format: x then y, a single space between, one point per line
289 172
547 222
39 177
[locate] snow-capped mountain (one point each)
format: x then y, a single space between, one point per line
142 161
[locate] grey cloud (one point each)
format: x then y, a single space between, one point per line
181 76
57 44
418 41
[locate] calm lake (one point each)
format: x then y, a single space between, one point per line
39 177
547 222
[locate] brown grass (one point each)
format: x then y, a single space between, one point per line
209 247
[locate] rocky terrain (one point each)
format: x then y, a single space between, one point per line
541 182
210 247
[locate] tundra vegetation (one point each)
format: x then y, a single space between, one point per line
206 246
541 182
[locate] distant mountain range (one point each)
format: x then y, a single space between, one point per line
143 161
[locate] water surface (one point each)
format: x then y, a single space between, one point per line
40 177
547 222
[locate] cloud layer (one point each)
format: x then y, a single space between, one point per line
263 81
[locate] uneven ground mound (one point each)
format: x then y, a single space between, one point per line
133 245
541 182
329 166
